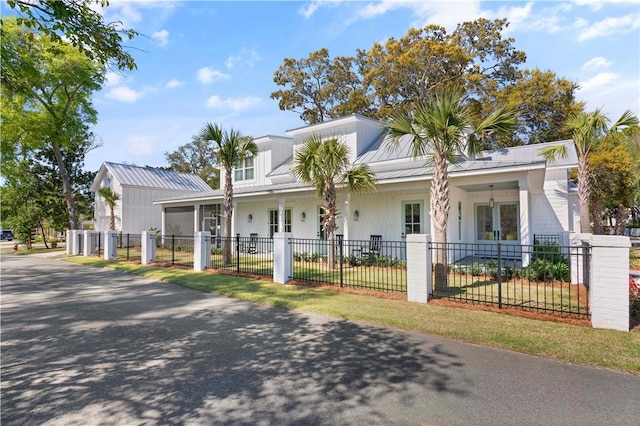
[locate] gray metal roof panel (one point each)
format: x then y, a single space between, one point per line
150 177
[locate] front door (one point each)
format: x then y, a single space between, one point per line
498 224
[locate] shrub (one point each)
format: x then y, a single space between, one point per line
634 298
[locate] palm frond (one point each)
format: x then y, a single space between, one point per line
553 152
627 119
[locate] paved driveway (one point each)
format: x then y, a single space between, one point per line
90 346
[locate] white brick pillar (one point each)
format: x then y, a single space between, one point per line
609 282
110 245
282 257
577 256
148 240
69 242
419 276
201 251
87 242
525 222
75 242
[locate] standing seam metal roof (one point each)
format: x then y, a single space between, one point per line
150 177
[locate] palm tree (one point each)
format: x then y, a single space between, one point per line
110 198
325 165
231 149
587 130
441 129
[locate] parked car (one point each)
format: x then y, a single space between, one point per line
6 235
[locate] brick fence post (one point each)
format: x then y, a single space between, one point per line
87 242
148 241
201 251
110 245
419 275
609 282
282 257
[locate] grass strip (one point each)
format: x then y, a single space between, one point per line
569 343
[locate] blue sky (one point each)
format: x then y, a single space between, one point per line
201 61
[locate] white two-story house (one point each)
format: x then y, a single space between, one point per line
505 195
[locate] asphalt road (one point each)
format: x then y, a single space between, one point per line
89 346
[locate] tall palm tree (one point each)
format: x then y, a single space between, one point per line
325 165
231 149
441 130
110 198
587 130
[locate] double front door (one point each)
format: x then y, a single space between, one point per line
498 223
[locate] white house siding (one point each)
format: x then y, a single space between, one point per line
550 210
141 214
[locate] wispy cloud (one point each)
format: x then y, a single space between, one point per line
312 7
234 104
124 94
112 79
247 57
138 145
609 26
175 83
207 75
596 63
161 37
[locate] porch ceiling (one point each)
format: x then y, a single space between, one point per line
497 186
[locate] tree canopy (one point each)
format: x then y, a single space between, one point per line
47 109
196 157
80 25
402 73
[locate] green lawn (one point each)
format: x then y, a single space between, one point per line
568 343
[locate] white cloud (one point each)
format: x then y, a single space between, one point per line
596 63
234 104
613 92
597 4
580 23
207 75
139 145
162 37
247 57
123 94
175 83
112 78
609 26
312 7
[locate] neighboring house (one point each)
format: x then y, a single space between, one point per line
505 194
138 187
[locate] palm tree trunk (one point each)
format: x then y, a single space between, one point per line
330 202
584 192
440 212
112 219
597 209
622 219
228 215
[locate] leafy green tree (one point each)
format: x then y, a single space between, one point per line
231 149
587 130
544 102
442 129
615 180
325 165
196 157
110 198
80 25
49 86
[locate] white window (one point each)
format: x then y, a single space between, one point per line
244 169
273 221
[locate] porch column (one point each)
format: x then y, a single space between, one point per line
196 218
525 224
346 217
163 225
280 214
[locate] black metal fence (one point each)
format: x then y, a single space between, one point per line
369 264
129 246
174 250
246 255
544 277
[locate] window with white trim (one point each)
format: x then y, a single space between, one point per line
244 169
273 221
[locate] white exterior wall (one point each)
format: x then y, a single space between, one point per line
550 210
140 213
102 215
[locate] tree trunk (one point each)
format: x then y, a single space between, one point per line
228 215
622 219
440 214
597 209
112 219
584 192
44 236
329 224
66 186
